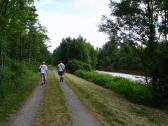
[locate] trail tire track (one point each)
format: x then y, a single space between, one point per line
26 115
79 113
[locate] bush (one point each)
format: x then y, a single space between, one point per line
74 65
5 77
11 77
13 87
132 90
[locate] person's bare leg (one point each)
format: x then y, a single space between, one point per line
62 78
42 80
45 79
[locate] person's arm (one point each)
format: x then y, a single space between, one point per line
58 67
64 69
46 69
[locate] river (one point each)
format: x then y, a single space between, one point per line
136 78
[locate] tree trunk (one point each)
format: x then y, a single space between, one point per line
29 52
30 45
151 22
1 58
166 25
3 7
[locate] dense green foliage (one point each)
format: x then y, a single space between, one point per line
132 90
78 49
116 56
14 89
144 23
22 40
22 46
74 65
21 35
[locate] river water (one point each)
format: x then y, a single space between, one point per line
136 78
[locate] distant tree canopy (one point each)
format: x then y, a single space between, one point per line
117 56
76 48
144 22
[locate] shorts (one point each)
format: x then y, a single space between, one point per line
43 74
61 73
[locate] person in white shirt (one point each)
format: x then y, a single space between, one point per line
61 71
44 71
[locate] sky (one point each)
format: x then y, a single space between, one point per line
71 18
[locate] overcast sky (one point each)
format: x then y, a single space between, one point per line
64 18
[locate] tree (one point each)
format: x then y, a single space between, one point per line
118 56
78 49
143 22
21 34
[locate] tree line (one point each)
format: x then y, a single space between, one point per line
119 57
22 41
77 53
21 35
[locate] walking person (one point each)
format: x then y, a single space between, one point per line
44 71
61 71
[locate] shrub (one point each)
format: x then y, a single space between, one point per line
74 65
13 87
12 76
5 77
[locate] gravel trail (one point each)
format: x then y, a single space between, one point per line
27 113
80 115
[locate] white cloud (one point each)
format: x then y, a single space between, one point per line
61 25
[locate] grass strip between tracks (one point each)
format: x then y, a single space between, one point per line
53 110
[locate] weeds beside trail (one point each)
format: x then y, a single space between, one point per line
53 110
112 108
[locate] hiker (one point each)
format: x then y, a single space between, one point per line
44 71
61 71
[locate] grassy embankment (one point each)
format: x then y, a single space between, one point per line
53 110
15 93
112 108
131 90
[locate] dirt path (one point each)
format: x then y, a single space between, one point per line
26 115
80 115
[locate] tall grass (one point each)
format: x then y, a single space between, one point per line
132 90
